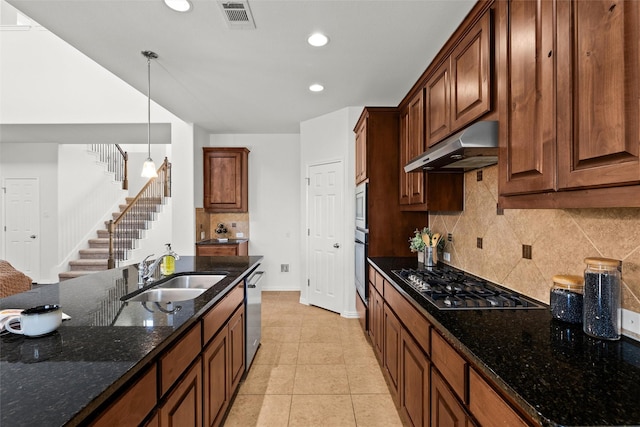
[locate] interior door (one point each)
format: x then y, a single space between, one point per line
22 226
326 236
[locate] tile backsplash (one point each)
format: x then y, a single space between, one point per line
208 222
558 240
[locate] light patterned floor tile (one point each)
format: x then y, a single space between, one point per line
269 379
321 379
321 411
376 410
259 411
320 354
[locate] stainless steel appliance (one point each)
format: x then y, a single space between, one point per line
361 265
361 240
361 207
253 313
451 289
471 148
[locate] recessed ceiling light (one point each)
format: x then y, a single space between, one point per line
317 40
179 5
316 87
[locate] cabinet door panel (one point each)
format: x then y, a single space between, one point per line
416 147
599 96
217 384
414 382
528 117
225 179
391 360
361 152
183 407
446 411
236 347
405 156
438 92
471 75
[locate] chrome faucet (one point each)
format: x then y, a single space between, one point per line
145 272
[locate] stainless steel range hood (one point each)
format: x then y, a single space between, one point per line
472 148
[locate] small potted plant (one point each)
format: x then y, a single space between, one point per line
417 242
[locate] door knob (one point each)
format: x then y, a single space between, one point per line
336 245
33 236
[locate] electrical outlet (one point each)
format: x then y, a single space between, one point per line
446 256
284 268
631 321
239 235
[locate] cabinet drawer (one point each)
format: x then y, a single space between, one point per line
488 407
216 250
450 364
134 404
220 313
409 316
175 361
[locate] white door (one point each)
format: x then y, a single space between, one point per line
326 235
22 226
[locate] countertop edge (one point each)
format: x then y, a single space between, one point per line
524 405
107 397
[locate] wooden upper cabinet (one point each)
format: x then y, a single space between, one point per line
459 91
412 185
528 115
470 64
361 151
438 94
226 178
598 93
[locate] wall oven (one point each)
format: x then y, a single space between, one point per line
361 207
361 240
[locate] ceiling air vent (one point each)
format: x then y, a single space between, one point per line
237 14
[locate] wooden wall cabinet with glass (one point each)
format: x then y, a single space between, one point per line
226 179
569 85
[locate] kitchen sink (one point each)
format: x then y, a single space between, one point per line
192 281
162 294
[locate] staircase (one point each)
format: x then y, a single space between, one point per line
95 258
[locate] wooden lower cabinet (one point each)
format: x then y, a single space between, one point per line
223 360
414 381
391 360
216 379
488 407
134 404
183 406
237 249
236 348
446 410
376 331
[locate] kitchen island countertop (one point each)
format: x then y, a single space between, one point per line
62 378
551 369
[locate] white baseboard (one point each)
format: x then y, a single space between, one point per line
350 314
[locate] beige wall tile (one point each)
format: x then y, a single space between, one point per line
560 240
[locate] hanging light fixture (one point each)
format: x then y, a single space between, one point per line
149 168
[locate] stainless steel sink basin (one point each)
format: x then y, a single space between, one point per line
162 294
195 281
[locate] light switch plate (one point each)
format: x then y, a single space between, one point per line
631 321
446 256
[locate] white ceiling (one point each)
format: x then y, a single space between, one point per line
256 81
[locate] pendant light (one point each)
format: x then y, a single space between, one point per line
149 168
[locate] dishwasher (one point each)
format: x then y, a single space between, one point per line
253 312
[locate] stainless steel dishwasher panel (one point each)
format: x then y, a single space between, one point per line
253 313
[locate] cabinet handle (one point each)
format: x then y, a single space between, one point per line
550 53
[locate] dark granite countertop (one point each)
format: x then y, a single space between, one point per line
217 242
555 372
62 378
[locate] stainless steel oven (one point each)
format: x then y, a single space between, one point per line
361 265
361 207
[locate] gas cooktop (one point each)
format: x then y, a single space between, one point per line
451 289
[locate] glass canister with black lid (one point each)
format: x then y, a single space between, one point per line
566 298
601 310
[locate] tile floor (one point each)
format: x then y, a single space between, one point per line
314 368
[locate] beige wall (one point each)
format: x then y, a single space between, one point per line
560 240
